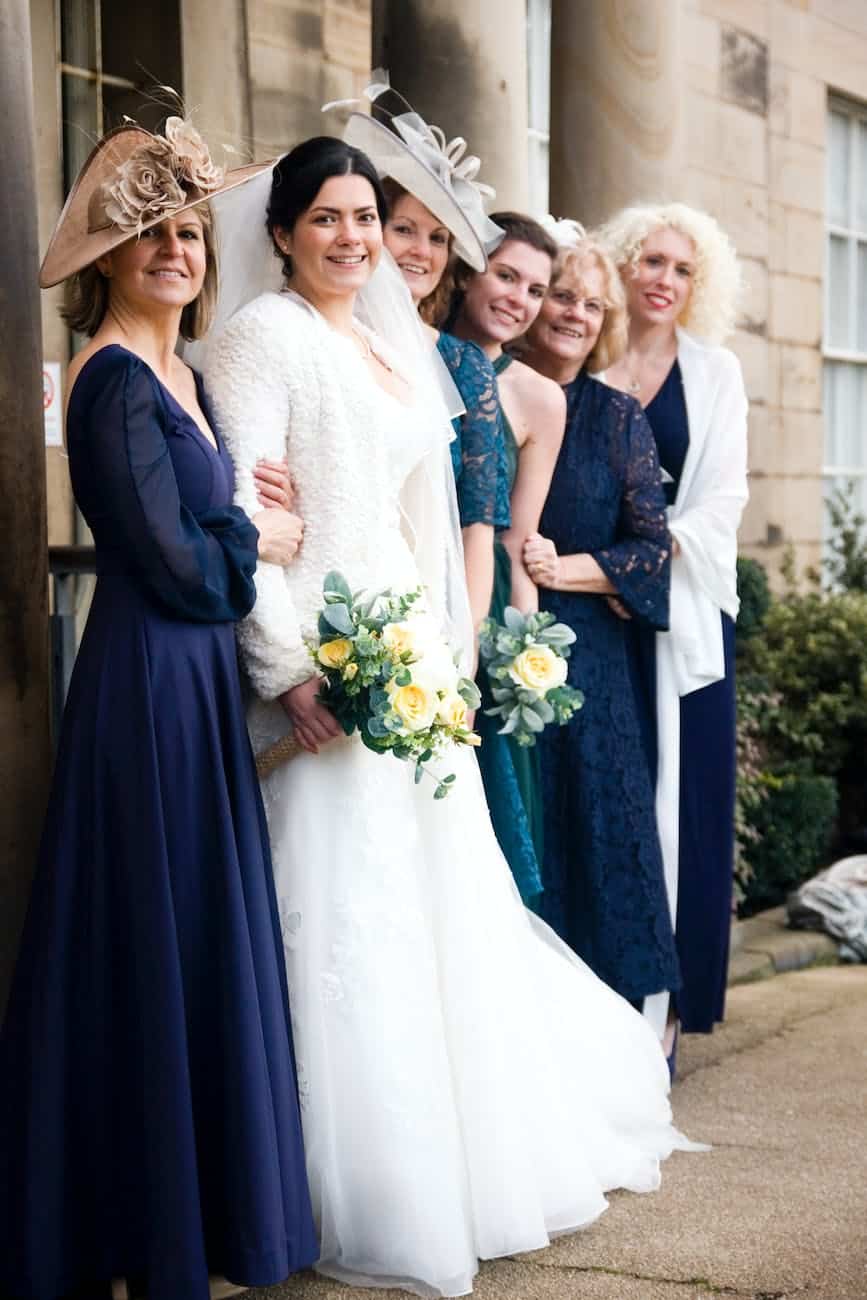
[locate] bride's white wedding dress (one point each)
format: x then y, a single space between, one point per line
468 1087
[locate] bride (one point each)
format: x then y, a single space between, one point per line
468 1087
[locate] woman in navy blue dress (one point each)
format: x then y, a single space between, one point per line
682 281
149 1124
603 556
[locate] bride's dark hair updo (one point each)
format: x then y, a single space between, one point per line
299 176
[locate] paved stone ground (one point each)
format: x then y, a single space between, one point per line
776 1211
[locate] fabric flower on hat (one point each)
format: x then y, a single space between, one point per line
193 161
145 189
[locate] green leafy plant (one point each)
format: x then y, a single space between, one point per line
755 597
793 821
845 564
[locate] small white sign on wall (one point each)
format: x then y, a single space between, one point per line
52 404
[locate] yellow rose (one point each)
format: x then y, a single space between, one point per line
538 669
334 654
398 639
415 706
452 711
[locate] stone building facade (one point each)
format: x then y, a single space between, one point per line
753 109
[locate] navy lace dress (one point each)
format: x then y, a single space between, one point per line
149 1123
604 889
707 771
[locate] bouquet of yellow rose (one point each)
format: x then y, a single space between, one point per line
390 675
526 665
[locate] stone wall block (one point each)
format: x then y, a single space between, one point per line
726 139
796 310
828 50
800 378
701 46
798 105
744 69
849 14
797 241
797 174
802 443
346 33
753 316
785 442
752 350
742 210
749 15
761 429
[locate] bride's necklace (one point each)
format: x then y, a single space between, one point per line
368 352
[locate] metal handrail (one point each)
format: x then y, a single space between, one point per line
67 565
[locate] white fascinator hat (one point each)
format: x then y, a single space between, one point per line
565 232
436 171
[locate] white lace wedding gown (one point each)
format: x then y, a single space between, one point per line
468 1087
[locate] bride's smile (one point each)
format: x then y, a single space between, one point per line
335 245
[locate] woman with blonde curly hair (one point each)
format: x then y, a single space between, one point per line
682 281
604 555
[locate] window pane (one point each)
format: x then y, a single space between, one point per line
80 124
845 415
839 326
539 63
861 301
538 174
838 169
78 33
861 197
142 43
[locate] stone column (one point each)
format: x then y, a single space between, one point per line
463 65
25 759
216 75
616 92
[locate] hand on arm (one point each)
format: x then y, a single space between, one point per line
579 573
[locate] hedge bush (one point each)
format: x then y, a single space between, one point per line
755 597
793 825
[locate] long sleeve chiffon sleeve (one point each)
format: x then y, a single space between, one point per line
639 564
200 566
246 380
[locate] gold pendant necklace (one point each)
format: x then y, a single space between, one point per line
369 351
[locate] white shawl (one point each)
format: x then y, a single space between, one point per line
704 520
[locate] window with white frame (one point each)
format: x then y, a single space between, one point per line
538 106
845 342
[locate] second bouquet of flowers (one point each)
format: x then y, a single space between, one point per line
390 675
526 664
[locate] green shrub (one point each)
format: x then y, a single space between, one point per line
812 655
755 597
846 562
793 823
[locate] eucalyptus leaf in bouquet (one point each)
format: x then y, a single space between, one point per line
525 657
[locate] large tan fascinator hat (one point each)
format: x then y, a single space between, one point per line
431 168
131 181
